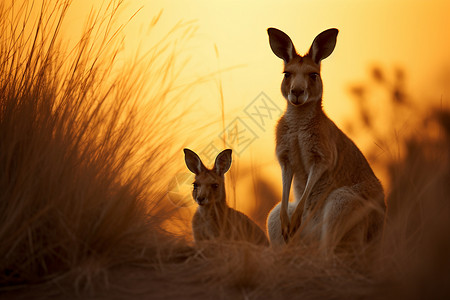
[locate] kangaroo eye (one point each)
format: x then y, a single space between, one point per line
314 76
214 185
286 74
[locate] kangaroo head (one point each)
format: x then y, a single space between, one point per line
302 82
209 184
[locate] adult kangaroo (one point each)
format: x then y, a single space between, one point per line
338 199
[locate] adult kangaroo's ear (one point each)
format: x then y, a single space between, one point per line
223 162
193 162
323 45
281 44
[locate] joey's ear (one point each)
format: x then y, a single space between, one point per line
223 162
323 45
193 162
281 44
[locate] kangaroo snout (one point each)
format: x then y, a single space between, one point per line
201 201
297 96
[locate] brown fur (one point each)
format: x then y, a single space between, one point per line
214 219
338 197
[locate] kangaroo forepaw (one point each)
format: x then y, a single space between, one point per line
294 225
288 232
285 233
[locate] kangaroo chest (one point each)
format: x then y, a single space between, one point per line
210 224
298 147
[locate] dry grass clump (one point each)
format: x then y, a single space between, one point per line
82 163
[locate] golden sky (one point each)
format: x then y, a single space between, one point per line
409 34
228 44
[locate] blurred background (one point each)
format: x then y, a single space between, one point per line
234 99
386 50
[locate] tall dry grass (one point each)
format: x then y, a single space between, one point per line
83 171
82 160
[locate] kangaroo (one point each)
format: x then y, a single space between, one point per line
214 219
338 197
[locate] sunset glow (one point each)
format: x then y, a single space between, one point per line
114 117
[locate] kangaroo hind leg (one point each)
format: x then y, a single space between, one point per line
345 220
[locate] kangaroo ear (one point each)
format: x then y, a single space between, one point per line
193 162
323 45
223 162
281 44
